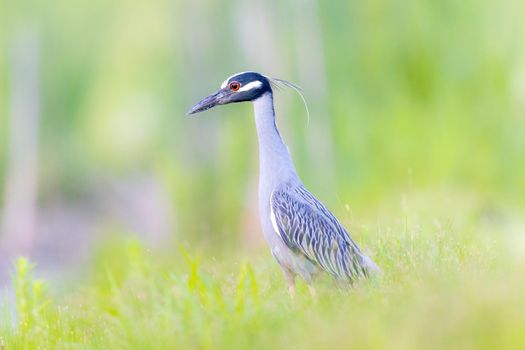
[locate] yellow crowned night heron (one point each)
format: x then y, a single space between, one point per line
304 236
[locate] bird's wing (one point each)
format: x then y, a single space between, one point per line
308 228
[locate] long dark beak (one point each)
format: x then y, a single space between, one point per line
209 102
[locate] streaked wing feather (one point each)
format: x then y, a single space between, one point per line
308 228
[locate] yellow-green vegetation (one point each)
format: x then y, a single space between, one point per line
418 96
448 281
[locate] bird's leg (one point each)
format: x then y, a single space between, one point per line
313 292
291 291
289 276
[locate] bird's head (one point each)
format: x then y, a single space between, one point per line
240 87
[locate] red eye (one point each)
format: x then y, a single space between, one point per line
234 86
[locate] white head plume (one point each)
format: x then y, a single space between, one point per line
280 83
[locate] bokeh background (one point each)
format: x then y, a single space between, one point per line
404 96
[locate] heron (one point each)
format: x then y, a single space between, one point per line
304 237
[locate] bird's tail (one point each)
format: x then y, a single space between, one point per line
369 265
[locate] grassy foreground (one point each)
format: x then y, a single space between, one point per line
450 280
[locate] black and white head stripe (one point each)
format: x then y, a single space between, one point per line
245 86
253 80
248 81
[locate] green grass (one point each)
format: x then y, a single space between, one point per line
452 278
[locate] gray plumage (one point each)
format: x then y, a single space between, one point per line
303 235
309 229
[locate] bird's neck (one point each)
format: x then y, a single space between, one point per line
275 163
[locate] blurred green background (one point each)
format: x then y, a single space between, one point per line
403 96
